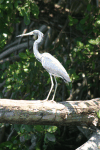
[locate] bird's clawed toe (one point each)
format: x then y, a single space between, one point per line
52 101
45 100
49 100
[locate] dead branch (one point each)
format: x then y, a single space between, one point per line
2 84
48 112
15 48
93 143
16 57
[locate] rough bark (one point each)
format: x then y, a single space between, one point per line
15 48
48 112
93 143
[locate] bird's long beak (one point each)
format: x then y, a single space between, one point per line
30 33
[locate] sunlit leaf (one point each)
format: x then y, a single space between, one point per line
51 129
91 41
9 87
97 23
80 44
95 42
26 70
98 114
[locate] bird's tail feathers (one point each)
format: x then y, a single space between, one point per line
66 80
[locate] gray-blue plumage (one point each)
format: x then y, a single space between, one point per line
50 63
54 67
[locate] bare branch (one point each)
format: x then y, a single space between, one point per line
2 84
16 57
93 143
48 112
15 48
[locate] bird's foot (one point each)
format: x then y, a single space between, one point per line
49 100
52 101
45 100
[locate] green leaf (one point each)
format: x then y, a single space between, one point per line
39 128
97 23
80 44
15 4
70 24
22 129
16 127
70 17
28 128
27 18
72 20
98 40
93 65
98 114
9 87
1 1
74 54
34 10
82 21
75 21
50 137
89 47
23 55
15 142
95 42
51 129
91 41
22 12
26 70
89 7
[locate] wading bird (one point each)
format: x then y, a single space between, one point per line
50 63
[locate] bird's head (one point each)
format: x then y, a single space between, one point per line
34 32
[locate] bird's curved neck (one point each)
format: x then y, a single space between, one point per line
35 48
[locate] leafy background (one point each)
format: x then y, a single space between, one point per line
72 35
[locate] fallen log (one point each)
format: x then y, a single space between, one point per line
49 113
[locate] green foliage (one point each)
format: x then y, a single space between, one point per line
3 38
72 20
46 132
95 41
13 144
50 137
51 129
28 7
85 53
98 114
7 18
21 77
